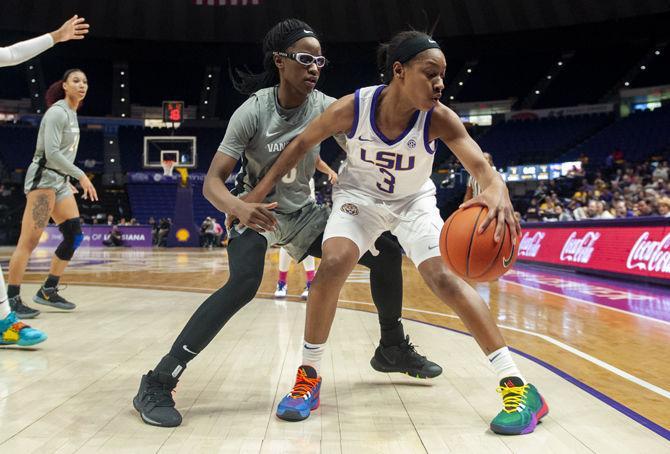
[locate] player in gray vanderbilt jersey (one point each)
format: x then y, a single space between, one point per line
49 193
257 133
57 143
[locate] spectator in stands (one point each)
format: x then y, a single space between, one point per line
643 208
164 226
563 214
533 211
110 219
621 210
602 211
661 172
115 239
219 233
664 207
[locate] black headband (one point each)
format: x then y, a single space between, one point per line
295 35
410 47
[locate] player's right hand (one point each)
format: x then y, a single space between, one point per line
256 216
87 189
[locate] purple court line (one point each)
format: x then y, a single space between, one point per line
621 408
649 301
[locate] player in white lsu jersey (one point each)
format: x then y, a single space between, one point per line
385 185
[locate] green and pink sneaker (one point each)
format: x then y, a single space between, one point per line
523 407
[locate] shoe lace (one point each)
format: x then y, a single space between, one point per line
411 349
303 385
18 326
160 394
513 397
18 304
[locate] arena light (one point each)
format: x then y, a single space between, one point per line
123 85
469 70
451 97
123 115
460 83
537 92
111 142
549 77
123 73
32 81
206 102
658 52
123 99
111 160
560 63
39 110
643 67
626 83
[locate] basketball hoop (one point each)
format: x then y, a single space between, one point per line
168 167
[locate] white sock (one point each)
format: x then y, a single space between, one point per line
311 355
4 302
504 365
284 260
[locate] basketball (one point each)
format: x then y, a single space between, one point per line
473 256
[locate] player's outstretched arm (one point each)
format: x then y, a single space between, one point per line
74 28
446 126
337 118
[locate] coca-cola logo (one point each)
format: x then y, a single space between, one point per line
530 245
650 255
579 250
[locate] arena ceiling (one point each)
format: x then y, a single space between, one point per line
337 21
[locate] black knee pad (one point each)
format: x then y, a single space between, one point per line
72 238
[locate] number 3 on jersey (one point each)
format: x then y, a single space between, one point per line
388 184
290 177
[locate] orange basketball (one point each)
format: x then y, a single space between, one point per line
474 256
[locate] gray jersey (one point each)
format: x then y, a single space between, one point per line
258 132
58 139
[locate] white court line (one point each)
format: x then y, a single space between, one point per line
615 370
632 378
604 306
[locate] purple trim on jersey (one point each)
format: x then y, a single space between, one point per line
373 120
426 132
357 109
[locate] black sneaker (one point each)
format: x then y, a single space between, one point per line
50 297
404 358
154 400
22 311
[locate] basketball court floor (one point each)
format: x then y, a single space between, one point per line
598 350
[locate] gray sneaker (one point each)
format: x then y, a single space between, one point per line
154 400
50 297
22 311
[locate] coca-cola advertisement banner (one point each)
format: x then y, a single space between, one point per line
642 251
94 235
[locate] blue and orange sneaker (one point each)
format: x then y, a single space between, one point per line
523 407
15 332
303 398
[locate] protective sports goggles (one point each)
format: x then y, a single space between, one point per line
304 58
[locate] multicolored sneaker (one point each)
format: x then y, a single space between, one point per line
523 407
50 297
303 398
404 358
281 290
21 310
305 292
14 332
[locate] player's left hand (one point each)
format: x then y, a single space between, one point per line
496 199
332 177
74 28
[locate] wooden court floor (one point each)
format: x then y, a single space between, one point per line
603 371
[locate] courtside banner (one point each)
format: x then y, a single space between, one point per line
630 250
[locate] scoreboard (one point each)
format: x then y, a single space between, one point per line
540 172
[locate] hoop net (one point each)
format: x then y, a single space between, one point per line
168 167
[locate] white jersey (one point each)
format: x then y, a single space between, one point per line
386 169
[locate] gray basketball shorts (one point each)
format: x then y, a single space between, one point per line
42 178
296 231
